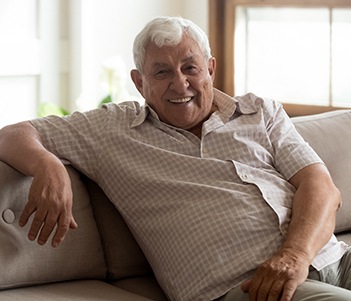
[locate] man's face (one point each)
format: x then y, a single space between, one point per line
177 82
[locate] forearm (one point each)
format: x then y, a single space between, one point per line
21 147
313 212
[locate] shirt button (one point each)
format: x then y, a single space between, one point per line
205 150
244 177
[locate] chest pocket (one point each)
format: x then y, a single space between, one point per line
249 144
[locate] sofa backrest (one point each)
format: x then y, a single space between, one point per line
24 262
123 255
329 134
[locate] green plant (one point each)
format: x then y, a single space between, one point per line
48 108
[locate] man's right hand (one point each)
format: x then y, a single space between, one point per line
50 196
50 201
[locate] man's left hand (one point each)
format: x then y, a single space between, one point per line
278 277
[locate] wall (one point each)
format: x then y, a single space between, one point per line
109 28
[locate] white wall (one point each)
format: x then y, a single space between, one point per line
109 28
197 11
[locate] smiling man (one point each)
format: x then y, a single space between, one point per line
177 83
225 198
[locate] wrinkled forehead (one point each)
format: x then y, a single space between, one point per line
186 50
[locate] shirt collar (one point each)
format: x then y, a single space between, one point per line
141 117
226 105
248 103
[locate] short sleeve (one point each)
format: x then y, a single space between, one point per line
75 139
291 151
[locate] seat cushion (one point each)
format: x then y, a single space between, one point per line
86 290
146 286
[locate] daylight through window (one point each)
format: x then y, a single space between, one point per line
298 55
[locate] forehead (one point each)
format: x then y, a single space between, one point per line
187 49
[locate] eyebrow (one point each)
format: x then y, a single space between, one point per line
189 59
156 65
185 60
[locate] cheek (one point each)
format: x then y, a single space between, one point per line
154 89
205 87
205 83
209 82
153 95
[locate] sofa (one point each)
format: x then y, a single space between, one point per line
101 260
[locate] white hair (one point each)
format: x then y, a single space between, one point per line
168 31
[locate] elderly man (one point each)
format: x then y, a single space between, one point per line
224 197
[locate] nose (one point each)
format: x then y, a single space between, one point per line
179 82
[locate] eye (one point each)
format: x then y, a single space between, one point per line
161 73
191 69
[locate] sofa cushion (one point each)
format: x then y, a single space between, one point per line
123 255
330 136
24 262
146 286
86 290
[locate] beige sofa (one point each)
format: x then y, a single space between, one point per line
101 260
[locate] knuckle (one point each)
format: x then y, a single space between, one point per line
63 227
50 223
55 205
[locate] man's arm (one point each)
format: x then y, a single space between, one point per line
312 224
50 196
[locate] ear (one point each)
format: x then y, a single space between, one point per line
212 67
137 80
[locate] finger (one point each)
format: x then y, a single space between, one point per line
289 291
73 225
47 228
263 293
245 286
64 224
276 291
37 224
26 213
254 288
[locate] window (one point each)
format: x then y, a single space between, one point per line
30 41
19 69
297 53
59 56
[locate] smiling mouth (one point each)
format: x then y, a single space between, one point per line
180 100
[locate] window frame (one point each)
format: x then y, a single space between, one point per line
221 36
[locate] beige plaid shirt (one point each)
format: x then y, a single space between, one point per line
206 212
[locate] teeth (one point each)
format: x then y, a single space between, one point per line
180 100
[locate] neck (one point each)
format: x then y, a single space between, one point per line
197 130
